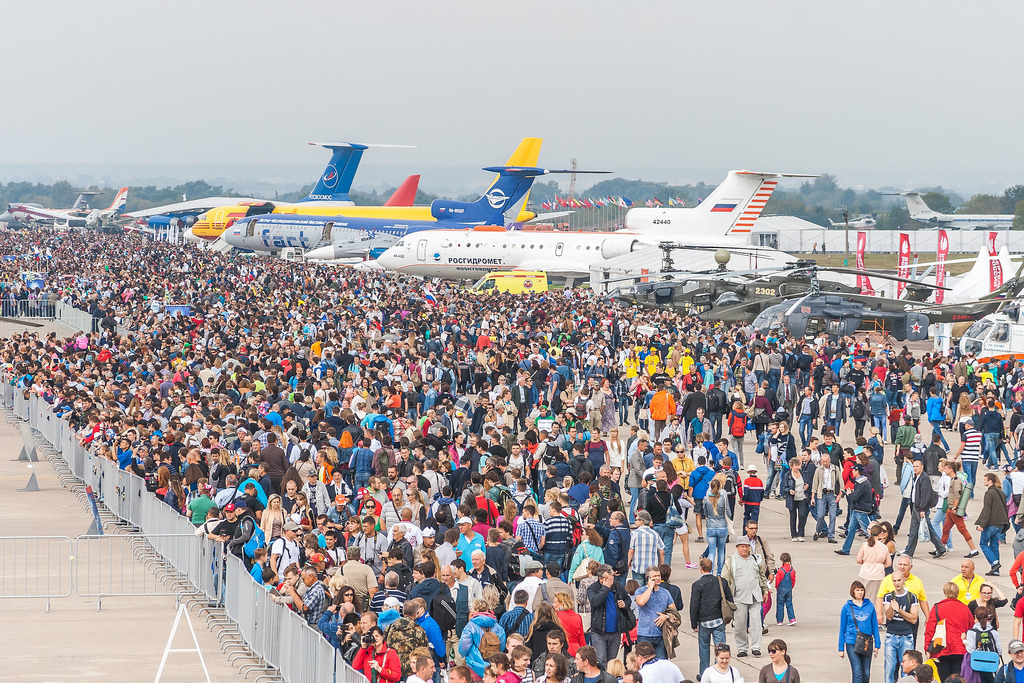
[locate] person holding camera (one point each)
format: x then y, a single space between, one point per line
378 662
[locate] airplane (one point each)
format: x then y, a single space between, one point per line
353 231
862 222
723 219
919 211
80 213
339 237
331 189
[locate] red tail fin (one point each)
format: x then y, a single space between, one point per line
405 195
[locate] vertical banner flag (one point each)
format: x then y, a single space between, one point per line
940 269
903 265
995 267
863 281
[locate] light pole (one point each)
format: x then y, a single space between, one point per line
846 220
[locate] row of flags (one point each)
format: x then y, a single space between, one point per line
603 202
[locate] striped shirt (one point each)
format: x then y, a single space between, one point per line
558 530
530 533
645 544
972 445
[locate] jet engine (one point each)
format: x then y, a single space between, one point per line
618 246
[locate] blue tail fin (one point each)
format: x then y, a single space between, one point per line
508 189
336 180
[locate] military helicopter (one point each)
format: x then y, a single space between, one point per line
732 296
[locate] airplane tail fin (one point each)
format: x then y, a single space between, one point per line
405 195
336 180
730 209
511 186
120 201
915 205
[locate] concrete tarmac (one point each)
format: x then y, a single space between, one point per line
824 578
123 642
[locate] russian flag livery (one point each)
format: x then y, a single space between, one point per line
726 206
754 207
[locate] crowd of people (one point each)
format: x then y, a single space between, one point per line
495 488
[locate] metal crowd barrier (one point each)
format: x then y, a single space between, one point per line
75 318
28 308
271 631
36 567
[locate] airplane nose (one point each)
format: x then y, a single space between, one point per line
387 259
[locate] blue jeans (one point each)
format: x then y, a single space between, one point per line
937 522
658 643
784 600
970 468
668 536
716 547
634 493
750 513
989 543
937 430
705 637
774 477
363 479
895 646
858 520
860 665
880 422
806 430
827 504
774 377
990 448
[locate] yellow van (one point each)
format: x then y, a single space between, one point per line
512 282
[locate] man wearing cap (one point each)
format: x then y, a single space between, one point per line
531 581
862 502
339 513
1013 670
285 550
749 589
469 540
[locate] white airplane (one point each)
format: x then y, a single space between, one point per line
919 211
723 219
80 211
862 222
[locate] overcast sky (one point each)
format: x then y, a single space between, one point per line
906 93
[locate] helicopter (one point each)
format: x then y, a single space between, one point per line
736 296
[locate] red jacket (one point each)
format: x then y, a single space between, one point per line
958 622
391 668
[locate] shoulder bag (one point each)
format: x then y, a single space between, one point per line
864 642
728 606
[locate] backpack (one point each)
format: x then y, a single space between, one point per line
786 584
859 410
256 541
933 498
730 483
641 498
504 496
577 531
791 365
581 406
984 640
443 611
490 644
737 426
515 552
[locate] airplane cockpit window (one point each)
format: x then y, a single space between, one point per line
1001 333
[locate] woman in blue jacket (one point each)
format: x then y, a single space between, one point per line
700 480
858 614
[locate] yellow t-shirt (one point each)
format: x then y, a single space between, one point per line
913 585
968 590
686 364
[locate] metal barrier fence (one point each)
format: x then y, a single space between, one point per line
75 318
28 308
272 631
36 567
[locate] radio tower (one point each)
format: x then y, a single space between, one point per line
572 180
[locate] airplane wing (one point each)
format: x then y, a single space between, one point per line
541 217
192 206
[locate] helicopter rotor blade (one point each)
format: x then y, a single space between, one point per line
882 276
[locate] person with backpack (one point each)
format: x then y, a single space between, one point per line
700 480
922 499
482 638
1013 670
984 637
737 424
